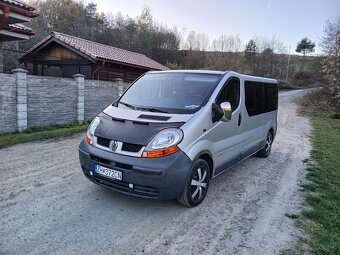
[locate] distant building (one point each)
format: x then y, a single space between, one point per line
12 14
65 55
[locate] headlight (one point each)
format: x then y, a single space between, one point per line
164 143
92 128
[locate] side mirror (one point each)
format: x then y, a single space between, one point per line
226 108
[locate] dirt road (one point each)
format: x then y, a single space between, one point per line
48 207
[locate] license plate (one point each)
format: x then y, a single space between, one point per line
107 172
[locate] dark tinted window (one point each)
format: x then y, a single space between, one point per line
230 93
270 95
260 97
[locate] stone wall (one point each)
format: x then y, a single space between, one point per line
33 101
8 104
1 58
100 94
51 101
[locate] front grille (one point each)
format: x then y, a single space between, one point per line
124 187
103 141
112 163
131 147
154 117
125 147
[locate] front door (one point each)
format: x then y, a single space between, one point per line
226 137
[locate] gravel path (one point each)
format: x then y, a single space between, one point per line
48 207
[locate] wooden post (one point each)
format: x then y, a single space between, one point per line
35 68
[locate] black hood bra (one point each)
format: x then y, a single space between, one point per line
128 131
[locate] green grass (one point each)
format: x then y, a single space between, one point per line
38 134
322 222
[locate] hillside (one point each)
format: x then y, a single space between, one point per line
302 70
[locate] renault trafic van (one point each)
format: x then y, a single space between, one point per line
171 132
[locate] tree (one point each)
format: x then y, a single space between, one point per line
80 18
250 54
226 43
331 64
305 46
192 41
251 48
331 35
202 41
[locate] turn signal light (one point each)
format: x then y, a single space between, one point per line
89 140
161 153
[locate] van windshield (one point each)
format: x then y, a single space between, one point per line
170 92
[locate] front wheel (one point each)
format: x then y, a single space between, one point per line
196 185
264 153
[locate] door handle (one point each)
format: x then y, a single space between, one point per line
239 119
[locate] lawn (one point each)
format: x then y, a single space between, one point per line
322 219
38 134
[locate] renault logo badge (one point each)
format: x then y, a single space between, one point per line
113 145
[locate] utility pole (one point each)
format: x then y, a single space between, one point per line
288 64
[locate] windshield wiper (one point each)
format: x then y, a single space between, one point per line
152 109
128 105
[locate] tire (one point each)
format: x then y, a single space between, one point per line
196 185
264 153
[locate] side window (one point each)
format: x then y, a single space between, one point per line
270 94
230 93
260 97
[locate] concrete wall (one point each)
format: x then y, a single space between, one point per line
32 101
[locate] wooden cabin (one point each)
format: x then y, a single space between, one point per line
12 14
65 55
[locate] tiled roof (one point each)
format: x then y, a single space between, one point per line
98 51
20 28
19 4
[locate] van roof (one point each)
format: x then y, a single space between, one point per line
245 76
190 71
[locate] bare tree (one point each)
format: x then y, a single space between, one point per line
191 40
331 35
227 43
202 41
331 65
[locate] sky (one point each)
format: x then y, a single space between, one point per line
287 20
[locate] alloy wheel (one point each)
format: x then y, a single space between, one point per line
269 141
199 184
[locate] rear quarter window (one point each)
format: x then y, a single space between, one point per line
260 97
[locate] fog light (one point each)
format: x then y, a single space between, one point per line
91 173
130 185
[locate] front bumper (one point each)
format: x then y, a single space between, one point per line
158 178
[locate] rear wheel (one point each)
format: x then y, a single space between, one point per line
264 153
196 185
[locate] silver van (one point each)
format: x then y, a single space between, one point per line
171 132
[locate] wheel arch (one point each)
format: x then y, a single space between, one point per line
207 156
272 130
